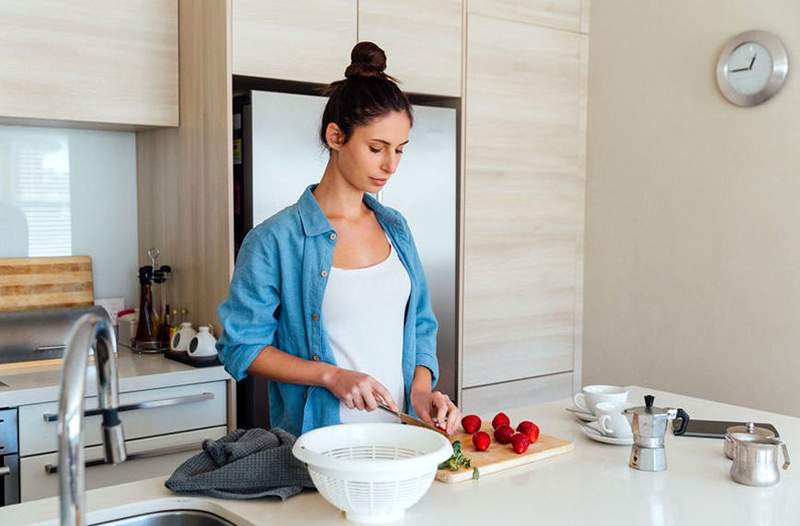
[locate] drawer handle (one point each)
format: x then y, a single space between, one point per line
5 470
147 404
50 469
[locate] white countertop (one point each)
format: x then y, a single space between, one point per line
593 485
32 384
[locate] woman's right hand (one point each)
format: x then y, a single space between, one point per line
357 390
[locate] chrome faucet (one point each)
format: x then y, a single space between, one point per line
92 330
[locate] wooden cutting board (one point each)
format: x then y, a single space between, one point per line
500 457
45 282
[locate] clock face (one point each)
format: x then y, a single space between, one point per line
748 68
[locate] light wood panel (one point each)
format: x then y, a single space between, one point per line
586 6
304 41
112 62
185 174
500 457
524 200
490 399
556 14
422 41
45 282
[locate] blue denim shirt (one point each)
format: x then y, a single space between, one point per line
275 298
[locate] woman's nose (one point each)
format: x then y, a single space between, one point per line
390 162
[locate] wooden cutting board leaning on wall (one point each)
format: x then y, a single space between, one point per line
45 282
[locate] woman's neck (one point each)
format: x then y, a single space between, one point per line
337 198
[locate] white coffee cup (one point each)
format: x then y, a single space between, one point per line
203 344
591 395
183 337
610 420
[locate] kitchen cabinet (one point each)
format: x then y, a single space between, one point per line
163 427
524 202
112 64
422 41
569 15
147 458
304 41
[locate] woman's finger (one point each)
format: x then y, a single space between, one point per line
425 414
441 402
369 400
348 401
358 400
453 416
384 394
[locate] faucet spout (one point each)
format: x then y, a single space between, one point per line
91 331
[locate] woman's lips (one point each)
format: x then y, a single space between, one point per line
379 182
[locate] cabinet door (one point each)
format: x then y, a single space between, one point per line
148 457
556 14
422 41
305 41
523 200
113 62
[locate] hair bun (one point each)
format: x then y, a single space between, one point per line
367 61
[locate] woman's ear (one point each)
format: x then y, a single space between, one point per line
334 136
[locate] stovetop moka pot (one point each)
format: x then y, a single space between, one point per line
649 425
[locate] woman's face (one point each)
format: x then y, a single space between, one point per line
372 154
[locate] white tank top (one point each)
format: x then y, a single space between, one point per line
364 312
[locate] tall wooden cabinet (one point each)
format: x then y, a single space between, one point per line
524 202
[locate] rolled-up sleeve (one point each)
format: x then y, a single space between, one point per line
426 324
248 315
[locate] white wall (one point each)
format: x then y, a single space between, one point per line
693 207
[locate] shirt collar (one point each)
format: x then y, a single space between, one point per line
314 220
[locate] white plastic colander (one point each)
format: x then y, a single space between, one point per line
372 472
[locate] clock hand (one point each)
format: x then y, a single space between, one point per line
739 69
752 62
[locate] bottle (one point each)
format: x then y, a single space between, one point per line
165 329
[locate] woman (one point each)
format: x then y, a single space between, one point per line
329 299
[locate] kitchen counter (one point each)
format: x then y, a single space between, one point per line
31 384
592 485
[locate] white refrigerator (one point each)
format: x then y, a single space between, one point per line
278 154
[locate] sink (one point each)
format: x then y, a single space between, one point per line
170 518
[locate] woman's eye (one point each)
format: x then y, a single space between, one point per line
399 151
373 150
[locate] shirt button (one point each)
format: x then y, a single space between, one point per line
315 358
333 236
315 316
324 273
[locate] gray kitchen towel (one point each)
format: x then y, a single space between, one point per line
245 464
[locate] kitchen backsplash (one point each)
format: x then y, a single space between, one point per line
67 192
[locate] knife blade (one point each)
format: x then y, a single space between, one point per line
410 420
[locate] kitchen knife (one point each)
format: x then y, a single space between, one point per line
410 420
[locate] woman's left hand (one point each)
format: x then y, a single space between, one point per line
436 409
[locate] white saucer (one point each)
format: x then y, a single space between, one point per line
597 436
581 415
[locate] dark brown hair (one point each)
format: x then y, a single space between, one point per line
364 94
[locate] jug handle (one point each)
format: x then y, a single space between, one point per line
786 461
684 418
